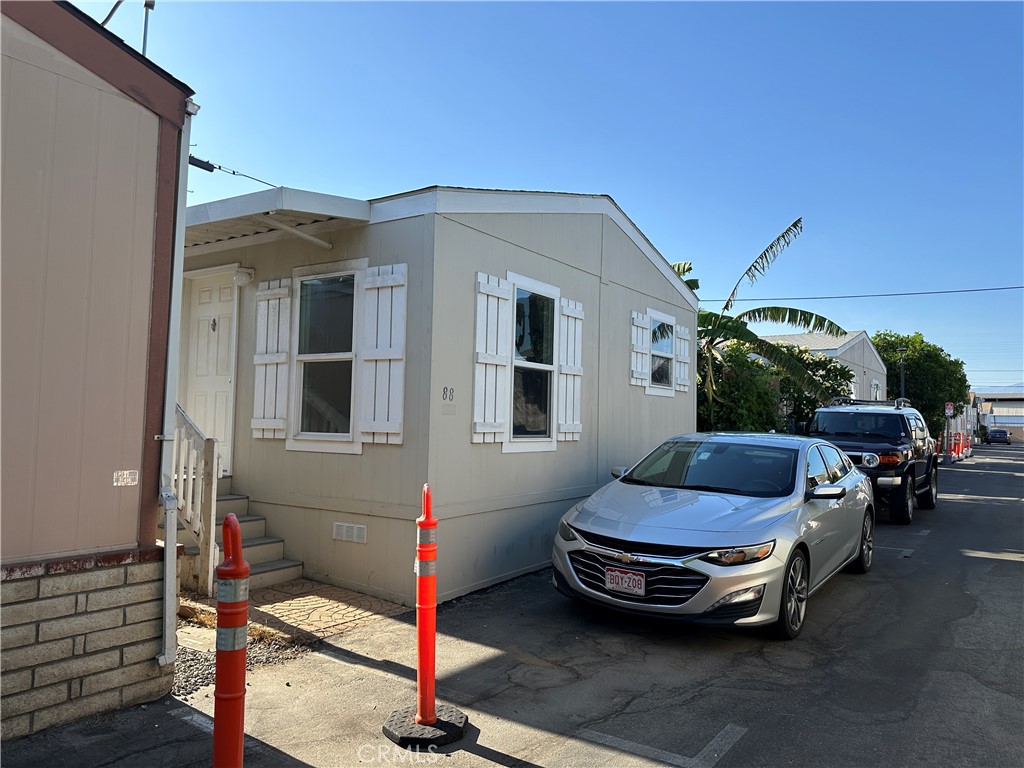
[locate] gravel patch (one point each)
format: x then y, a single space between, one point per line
195 669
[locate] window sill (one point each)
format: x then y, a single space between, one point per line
322 445
529 446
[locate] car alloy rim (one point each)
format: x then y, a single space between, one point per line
867 543
796 594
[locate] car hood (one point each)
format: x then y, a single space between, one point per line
620 510
864 444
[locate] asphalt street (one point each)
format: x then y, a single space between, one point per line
920 662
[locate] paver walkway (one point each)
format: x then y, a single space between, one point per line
305 609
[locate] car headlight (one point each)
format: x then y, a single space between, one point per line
740 555
565 532
869 460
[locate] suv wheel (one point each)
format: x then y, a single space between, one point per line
901 502
926 499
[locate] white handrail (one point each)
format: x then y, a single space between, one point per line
196 469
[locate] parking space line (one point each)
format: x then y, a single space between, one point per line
198 719
707 757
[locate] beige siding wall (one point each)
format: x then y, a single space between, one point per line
863 361
498 511
302 494
77 244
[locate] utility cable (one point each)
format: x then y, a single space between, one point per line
206 165
875 295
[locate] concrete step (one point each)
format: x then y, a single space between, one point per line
224 485
262 549
274 572
232 503
251 526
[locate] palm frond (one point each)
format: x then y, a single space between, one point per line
683 268
768 255
800 318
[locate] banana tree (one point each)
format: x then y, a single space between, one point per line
717 329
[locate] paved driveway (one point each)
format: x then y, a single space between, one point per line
920 662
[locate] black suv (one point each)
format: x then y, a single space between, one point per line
889 442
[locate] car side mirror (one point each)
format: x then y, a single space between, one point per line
828 491
618 472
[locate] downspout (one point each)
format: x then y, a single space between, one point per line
167 497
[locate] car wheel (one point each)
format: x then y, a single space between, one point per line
862 563
901 502
793 605
927 499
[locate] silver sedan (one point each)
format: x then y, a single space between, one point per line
735 529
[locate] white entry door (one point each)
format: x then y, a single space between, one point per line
209 392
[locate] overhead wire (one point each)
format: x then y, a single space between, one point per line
876 295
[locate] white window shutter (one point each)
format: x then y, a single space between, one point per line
570 370
682 362
640 350
492 357
273 334
381 354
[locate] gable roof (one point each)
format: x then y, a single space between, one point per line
252 219
833 346
815 342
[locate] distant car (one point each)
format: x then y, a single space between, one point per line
997 436
735 529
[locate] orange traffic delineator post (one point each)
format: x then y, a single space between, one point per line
232 630
426 724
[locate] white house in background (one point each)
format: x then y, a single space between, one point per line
854 350
1002 407
509 348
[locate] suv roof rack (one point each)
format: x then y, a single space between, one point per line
899 402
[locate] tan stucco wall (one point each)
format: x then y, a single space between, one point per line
79 183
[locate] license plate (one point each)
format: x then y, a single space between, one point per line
627 582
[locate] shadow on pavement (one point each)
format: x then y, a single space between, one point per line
162 733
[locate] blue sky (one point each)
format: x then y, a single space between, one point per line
896 130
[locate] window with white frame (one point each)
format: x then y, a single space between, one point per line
663 335
528 364
330 357
659 354
533 364
325 355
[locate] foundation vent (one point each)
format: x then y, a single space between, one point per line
349 532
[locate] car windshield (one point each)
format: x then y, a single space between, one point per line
718 466
840 424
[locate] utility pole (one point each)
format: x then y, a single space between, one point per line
903 378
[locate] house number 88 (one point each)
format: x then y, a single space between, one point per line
448 394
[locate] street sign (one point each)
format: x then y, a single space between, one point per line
949 409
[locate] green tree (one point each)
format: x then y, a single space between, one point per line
834 378
933 377
747 394
718 330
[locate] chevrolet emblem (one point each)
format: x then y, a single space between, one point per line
625 558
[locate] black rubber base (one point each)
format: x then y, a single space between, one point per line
402 729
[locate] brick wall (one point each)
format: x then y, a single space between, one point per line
79 637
